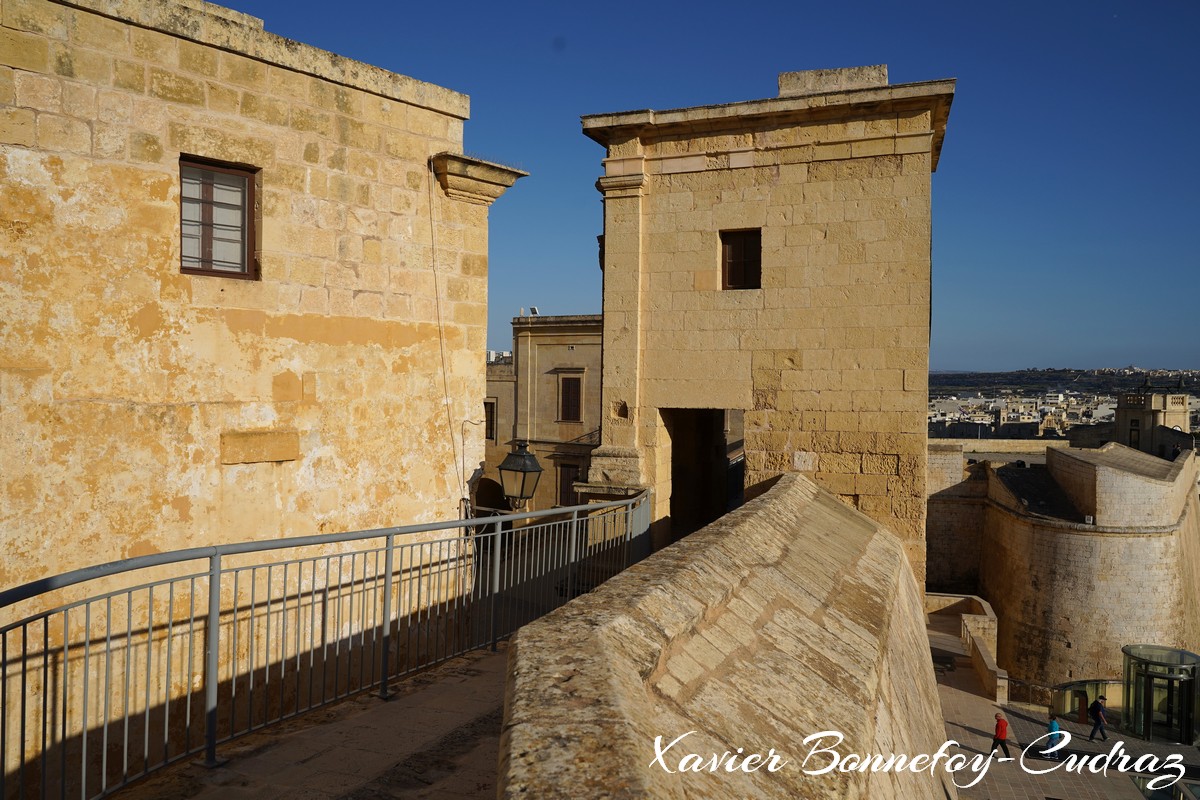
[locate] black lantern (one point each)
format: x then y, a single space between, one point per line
519 473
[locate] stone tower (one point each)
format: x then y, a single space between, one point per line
771 257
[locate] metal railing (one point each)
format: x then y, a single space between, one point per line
143 662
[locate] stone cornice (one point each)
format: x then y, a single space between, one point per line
701 120
213 25
621 185
473 180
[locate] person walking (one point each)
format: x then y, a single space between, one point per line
1096 712
1053 728
1000 738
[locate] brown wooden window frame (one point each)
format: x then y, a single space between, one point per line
489 419
249 230
741 259
570 402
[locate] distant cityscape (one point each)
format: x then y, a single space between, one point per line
1047 403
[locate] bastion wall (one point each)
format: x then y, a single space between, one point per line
790 616
1069 595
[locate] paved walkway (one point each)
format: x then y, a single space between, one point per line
970 720
437 737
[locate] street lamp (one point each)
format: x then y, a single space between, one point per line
519 474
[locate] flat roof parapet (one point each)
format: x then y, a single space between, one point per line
226 29
819 81
839 94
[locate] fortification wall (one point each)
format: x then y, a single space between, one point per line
954 534
791 616
953 521
1037 446
1077 478
944 468
1069 596
1128 499
1117 497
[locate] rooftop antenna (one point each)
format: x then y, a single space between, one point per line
533 312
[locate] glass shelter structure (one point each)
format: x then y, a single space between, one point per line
1161 701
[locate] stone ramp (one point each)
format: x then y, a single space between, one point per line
792 615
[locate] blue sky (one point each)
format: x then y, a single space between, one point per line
1066 203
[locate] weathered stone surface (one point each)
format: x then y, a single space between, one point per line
791 616
130 350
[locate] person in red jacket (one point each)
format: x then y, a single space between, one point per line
1000 739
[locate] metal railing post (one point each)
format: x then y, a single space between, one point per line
497 533
389 569
572 554
213 645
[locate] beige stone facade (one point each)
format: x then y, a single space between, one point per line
146 409
1146 419
828 355
547 394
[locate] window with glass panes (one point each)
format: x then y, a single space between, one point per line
741 259
217 219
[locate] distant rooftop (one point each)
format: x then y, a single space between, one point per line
561 319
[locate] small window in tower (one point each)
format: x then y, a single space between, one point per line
741 259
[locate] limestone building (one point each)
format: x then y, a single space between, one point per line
1155 421
772 257
1145 418
547 394
243 291
1094 550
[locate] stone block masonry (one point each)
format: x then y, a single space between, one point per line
792 615
826 349
131 391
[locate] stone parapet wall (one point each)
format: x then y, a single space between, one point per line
1069 596
791 616
1037 446
1120 494
954 520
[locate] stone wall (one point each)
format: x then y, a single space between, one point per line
147 410
1037 446
1120 487
1069 596
954 520
791 616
